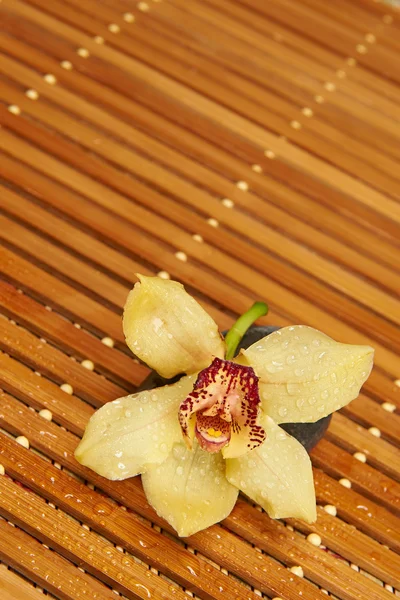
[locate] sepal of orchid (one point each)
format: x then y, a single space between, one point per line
190 489
126 436
222 410
168 330
305 375
277 475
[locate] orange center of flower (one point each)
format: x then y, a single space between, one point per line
224 403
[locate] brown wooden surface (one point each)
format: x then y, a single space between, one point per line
112 170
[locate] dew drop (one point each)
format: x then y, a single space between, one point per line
292 388
179 470
282 411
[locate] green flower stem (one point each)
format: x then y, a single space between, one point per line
235 334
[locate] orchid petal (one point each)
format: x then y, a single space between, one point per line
127 436
305 375
190 489
167 329
277 475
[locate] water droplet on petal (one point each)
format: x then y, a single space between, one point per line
292 388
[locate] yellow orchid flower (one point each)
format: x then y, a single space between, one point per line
216 431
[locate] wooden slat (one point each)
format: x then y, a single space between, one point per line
354 508
254 281
29 313
126 235
103 256
370 482
370 414
78 306
86 279
250 150
208 18
353 545
220 186
276 241
118 525
46 568
383 388
12 585
208 154
353 438
326 195
33 426
239 125
38 392
384 526
97 556
50 361
232 84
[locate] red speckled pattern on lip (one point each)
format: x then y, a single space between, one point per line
227 401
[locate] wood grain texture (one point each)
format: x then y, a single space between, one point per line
261 140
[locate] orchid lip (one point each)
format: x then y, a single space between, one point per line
223 407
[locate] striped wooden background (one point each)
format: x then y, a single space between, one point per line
249 149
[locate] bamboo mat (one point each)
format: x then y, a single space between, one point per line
249 149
